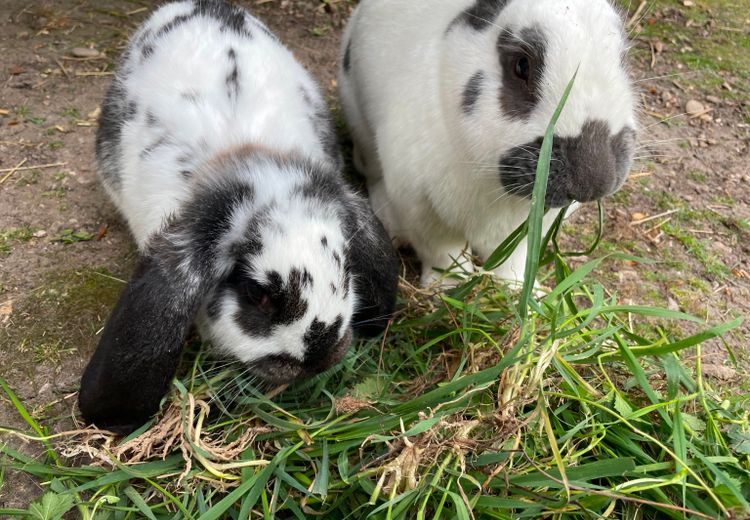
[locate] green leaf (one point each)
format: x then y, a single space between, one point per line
51 507
320 485
138 502
622 406
739 441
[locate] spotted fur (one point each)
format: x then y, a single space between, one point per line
221 158
447 101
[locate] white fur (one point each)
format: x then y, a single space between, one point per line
431 170
268 111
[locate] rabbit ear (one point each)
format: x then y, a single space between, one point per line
140 347
374 265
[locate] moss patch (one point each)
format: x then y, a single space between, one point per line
709 39
62 316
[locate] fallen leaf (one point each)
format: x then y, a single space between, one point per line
6 309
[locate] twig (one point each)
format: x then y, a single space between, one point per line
654 217
637 13
39 167
136 11
13 170
657 226
62 68
80 74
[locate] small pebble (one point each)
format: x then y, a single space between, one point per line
85 52
694 108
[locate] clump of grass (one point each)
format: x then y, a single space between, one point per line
478 403
9 236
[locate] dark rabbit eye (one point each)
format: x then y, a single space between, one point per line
522 69
253 291
249 290
257 295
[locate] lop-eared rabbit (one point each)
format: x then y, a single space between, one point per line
448 100
217 148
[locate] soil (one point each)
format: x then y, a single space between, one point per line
65 252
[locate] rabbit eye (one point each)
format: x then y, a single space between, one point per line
256 294
522 69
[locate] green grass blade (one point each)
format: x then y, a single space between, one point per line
536 215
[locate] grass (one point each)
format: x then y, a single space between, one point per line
478 403
14 235
700 250
709 39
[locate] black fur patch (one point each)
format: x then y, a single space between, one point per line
285 302
348 57
116 111
324 242
231 17
321 185
147 51
479 16
472 91
372 267
204 221
151 119
583 168
232 80
518 98
307 279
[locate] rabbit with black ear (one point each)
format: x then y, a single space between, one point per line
216 146
447 102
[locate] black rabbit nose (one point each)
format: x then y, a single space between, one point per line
324 348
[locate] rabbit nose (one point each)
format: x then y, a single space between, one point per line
598 160
328 358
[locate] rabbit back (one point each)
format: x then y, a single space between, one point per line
198 78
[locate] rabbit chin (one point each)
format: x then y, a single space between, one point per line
283 369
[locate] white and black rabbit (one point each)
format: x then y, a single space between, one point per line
448 100
216 146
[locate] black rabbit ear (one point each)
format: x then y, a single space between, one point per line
140 347
375 266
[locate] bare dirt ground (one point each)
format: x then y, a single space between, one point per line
64 251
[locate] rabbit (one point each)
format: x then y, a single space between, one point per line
217 148
447 102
